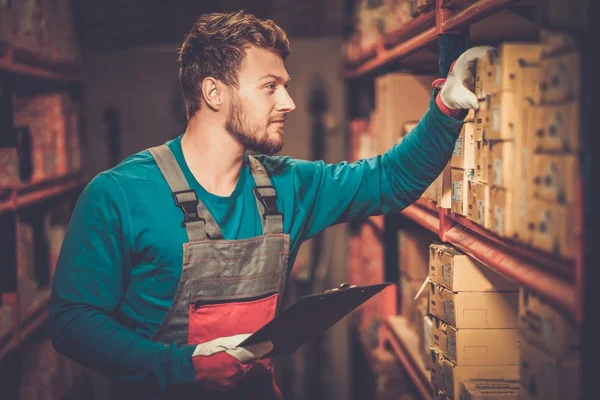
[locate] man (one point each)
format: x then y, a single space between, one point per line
177 254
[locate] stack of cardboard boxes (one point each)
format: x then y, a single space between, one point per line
474 311
550 351
554 177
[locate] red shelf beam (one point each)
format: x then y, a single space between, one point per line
471 14
8 63
423 217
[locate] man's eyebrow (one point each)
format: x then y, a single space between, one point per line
277 78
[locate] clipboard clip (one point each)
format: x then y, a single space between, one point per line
342 286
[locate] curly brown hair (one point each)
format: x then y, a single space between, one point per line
215 47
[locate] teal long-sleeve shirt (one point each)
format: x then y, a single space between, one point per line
123 246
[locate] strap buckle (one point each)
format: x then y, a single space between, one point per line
269 202
188 201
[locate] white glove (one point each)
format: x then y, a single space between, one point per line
229 344
454 93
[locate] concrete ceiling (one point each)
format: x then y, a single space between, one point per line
114 24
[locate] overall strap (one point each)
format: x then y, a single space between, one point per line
198 221
266 198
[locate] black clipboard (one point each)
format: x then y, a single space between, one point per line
310 316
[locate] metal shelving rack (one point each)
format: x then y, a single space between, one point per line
559 281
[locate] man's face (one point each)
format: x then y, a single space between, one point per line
258 109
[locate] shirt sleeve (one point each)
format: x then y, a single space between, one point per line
88 287
337 193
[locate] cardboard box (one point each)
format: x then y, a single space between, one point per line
482 156
502 164
474 310
555 177
476 346
460 189
448 376
426 339
560 130
463 156
560 79
529 85
483 76
547 328
479 205
482 118
489 389
395 107
445 188
431 193
502 215
413 252
556 42
546 378
458 272
507 67
9 166
552 228
503 116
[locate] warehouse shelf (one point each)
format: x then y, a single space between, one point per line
397 334
446 17
10 340
542 273
9 61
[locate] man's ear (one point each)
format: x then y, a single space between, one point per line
212 93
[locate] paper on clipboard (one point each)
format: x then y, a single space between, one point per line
310 316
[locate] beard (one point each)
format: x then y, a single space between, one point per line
252 136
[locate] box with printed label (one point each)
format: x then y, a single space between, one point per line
502 164
546 378
394 108
463 156
475 310
445 188
483 76
560 129
552 228
479 205
507 68
482 156
546 327
448 376
501 211
458 272
555 177
413 252
460 189
560 79
476 346
482 118
503 116
490 389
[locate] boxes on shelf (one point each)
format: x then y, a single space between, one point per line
554 43
483 76
490 389
547 328
555 177
559 130
458 272
445 188
448 376
503 116
502 164
482 118
502 215
552 228
479 204
394 107
560 78
413 252
482 157
544 377
9 166
463 156
507 66
474 310
476 346
460 189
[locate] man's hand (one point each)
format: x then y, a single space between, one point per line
454 94
229 345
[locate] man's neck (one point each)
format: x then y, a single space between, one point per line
213 156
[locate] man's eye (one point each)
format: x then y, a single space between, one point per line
270 86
